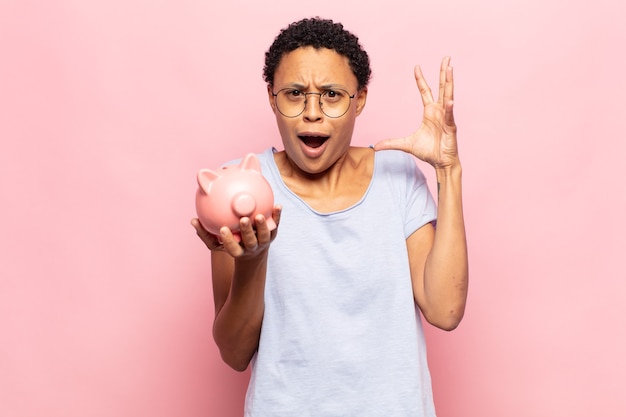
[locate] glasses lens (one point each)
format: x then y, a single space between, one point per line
335 103
291 103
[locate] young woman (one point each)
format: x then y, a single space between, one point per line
328 306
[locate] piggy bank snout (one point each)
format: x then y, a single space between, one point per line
243 204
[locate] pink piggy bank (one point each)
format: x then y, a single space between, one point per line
226 195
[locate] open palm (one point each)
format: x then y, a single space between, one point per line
435 140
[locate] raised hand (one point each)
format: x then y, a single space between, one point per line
435 140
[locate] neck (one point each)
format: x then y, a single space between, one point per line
336 188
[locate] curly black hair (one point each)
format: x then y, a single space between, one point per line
318 33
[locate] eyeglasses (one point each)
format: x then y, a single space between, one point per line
291 102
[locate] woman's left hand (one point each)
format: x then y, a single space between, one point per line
435 140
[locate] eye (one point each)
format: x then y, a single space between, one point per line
293 94
333 96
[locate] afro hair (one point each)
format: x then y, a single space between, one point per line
318 33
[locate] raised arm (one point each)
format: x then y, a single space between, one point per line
438 256
239 270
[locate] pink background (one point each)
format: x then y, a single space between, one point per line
108 109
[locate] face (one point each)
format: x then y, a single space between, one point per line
313 141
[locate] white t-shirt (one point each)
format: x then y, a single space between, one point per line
341 334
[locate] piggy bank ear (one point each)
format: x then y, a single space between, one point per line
206 178
250 161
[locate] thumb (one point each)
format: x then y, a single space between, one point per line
401 144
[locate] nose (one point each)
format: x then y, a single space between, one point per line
313 107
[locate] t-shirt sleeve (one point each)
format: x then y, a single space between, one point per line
418 203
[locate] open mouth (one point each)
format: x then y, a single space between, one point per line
313 141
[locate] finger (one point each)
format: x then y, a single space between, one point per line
449 115
402 144
248 235
422 85
448 92
448 101
231 245
276 212
443 79
211 241
199 229
262 230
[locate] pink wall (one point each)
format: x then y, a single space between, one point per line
107 110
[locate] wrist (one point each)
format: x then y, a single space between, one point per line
452 171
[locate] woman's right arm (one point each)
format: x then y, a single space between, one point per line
239 271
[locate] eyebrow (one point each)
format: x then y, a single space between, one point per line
322 87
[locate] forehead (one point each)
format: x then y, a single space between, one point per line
309 66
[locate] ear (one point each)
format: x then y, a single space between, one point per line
250 161
270 97
206 178
360 99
